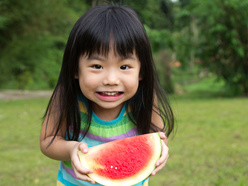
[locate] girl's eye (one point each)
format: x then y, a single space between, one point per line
124 67
97 66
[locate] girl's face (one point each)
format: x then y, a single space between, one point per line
108 81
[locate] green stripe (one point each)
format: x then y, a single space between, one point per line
67 164
84 118
109 132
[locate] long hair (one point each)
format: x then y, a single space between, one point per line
96 31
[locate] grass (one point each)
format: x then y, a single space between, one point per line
210 146
22 163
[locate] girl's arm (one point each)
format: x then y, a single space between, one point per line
61 149
157 120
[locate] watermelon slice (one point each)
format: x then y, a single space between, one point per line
123 162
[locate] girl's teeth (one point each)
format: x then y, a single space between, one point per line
110 93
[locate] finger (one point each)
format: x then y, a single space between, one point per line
79 167
163 159
164 154
158 168
82 170
83 147
83 177
162 135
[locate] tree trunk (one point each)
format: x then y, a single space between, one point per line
193 40
245 89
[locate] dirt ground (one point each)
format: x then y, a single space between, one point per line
23 94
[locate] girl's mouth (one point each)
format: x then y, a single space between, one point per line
109 93
109 96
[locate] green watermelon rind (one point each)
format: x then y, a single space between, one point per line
138 177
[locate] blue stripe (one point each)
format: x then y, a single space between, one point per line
68 180
63 180
112 122
141 183
91 142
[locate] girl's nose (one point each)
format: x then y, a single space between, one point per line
111 78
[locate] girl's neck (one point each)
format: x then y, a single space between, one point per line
107 114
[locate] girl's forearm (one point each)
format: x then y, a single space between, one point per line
60 149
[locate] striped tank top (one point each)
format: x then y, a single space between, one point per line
100 132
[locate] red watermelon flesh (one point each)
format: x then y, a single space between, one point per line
123 162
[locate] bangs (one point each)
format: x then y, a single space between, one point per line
105 28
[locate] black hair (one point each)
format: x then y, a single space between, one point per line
96 31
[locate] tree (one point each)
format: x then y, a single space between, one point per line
216 33
32 38
225 44
33 35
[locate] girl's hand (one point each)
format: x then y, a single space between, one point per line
164 155
80 172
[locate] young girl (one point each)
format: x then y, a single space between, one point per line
107 90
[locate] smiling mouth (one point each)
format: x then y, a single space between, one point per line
110 93
109 96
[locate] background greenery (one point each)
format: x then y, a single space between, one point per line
203 36
200 48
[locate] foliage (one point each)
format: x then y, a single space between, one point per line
215 33
225 42
32 36
162 60
208 34
186 34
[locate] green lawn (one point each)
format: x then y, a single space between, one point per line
210 146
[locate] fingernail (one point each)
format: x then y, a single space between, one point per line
84 150
93 182
90 171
